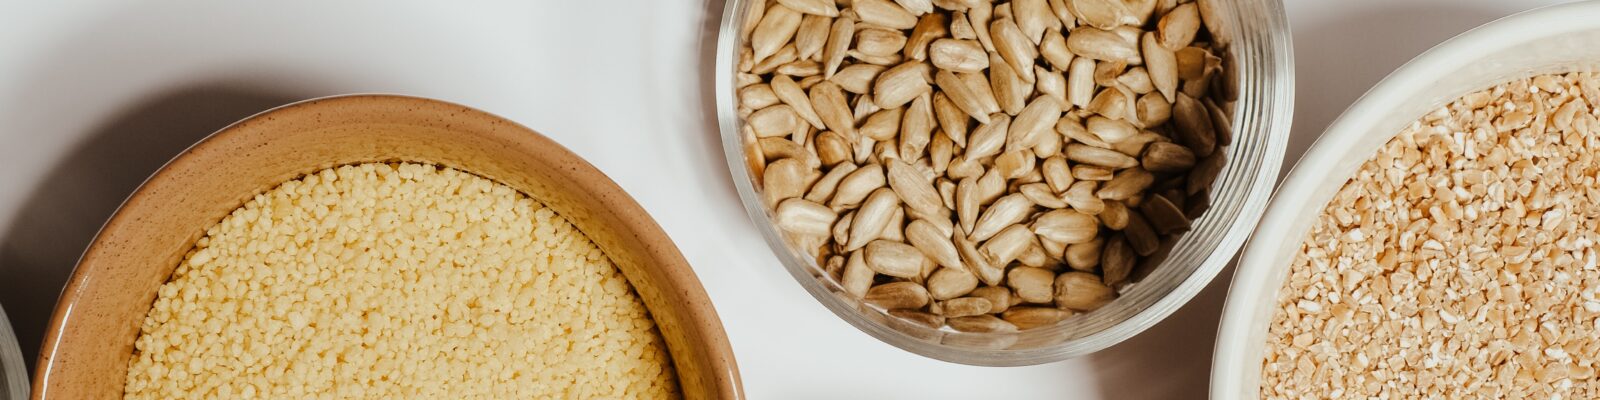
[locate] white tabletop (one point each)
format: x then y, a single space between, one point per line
95 95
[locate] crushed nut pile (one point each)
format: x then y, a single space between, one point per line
987 166
397 281
1459 262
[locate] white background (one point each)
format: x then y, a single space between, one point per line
95 95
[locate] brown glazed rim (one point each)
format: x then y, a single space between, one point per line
91 334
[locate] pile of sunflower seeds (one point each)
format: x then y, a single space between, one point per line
986 166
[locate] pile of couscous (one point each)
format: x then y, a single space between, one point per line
397 281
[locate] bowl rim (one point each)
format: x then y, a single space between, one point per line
679 274
1276 46
1292 200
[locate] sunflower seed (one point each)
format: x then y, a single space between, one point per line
1014 164
1111 103
829 184
776 28
978 17
879 42
916 192
804 217
989 137
1116 261
950 283
857 185
1006 211
895 259
897 295
1081 197
991 186
785 89
916 7
1014 47
1126 184
1031 284
1114 215
999 297
1008 244
1050 84
1205 173
1219 123
1053 47
1091 173
1110 130
811 37
952 121
1141 237
1084 256
980 324
1136 80
872 218
803 68
752 18
784 179
1152 110
958 55
1081 291
967 203
978 262
1194 125
1103 45
839 37
858 78
1167 157
1038 118
1034 317
962 168
1080 81
1164 216
1039 193
934 243
895 229
817 7
828 100
778 148
757 96
1056 173
884 13
1066 226
961 95
966 306
916 127
1103 14
930 27
743 79
1162 64
1213 21
1099 157
1179 26
899 85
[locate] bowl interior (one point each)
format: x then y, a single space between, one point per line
1551 40
91 335
1257 49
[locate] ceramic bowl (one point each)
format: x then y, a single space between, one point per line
90 337
1549 40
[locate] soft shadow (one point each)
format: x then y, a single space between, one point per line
712 140
1335 64
61 216
1171 360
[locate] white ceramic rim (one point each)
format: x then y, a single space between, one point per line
1235 369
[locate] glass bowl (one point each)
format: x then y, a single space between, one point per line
1549 40
1258 49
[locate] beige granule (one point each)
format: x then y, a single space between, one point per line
1459 262
397 281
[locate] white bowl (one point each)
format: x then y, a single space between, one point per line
1547 40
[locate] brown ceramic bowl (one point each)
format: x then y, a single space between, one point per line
90 338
